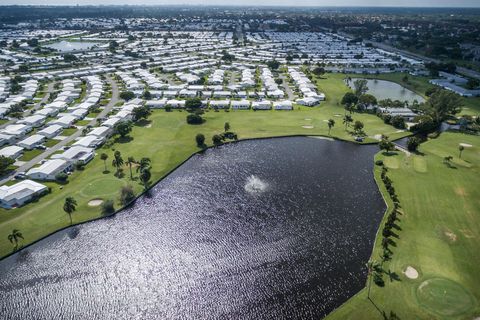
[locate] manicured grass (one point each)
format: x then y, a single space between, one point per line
168 141
68 131
30 154
82 122
51 142
439 236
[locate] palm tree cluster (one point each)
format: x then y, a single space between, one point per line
14 238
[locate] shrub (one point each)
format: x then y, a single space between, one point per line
413 143
194 119
200 139
126 195
108 207
379 162
217 139
61 177
398 122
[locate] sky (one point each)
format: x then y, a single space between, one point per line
351 3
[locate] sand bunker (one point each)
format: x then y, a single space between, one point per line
307 127
466 145
411 273
308 119
95 202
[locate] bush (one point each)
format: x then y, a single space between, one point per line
126 195
168 108
200 139
398 122
194 119
61 177
413 143
108 207
379 162
217 139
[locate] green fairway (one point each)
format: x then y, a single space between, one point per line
439 236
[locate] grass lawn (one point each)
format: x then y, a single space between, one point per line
168 140
30 154
68 131
51 142
82 122
440 229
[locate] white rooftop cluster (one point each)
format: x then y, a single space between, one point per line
310 95
248 79
152 81
131 83
269 82
216 77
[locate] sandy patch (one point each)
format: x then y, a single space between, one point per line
337 115
307 127
460 192
467 234
466 145
95 202
377 137
148 125
411 273
322 138
398 131
308 119
450 235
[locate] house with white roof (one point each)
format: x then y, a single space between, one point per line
32 141
101 132
283 105
90 141
12 152
20 193
262 105
64 121
240 104
6 139
49 170
51 131
76 154
219 104
111 122
34 121
17 130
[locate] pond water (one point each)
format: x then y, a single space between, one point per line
265 229
382 89
68 46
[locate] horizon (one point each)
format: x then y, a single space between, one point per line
425 4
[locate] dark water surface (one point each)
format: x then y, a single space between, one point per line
266 229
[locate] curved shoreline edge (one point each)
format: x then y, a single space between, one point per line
376 171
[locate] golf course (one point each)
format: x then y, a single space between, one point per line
432 273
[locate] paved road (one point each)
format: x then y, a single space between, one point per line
28 165
35 107
288 90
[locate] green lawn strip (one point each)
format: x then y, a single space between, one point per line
68 131
439 236
50 143
30 154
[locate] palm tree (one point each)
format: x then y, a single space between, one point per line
117 161
145 176
69 207
331 124
460 149
143 164
346 120
130 162
13 238
104 157
226 126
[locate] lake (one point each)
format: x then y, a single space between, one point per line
262 229
382 89
68 46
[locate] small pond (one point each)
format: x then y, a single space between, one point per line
382 89
264 229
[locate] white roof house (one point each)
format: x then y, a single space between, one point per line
33 121
6 139
111 122
49 170
90 141
32 141
154 104
51 131
65 121
307 101
76 154
101 131
13 152
17 129
219 104
283 105
262 105
240 104
18 194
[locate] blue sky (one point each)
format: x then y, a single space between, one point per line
397 3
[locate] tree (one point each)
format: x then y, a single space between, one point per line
200 139
131 161
331 124
14 237
69 207
398 122
442 104
413 143
104 157
127 95
126 195
424 124
347 119
273 64
68 57
226 126
144 164
472 84
360 87
460 150
217 139
5 162
448 160
23 68
108 207
147 95
123 128
386 144
349 99
141 112
366 100
358 127
117 161
193 103
194 119
318 71
145 176
61 177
